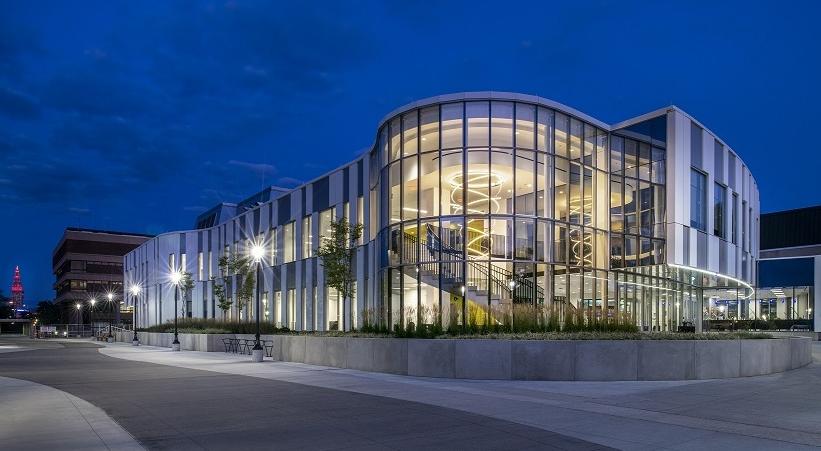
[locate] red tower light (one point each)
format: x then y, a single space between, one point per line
17 291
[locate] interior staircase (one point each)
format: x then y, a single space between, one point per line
482 280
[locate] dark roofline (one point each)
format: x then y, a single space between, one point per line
790 228
794 210
109 232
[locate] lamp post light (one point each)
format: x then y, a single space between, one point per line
110 297
135 290
176 277
257 253
92 301
79 315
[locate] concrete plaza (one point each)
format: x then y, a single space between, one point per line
169 407
213 400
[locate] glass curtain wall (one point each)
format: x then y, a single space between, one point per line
471 190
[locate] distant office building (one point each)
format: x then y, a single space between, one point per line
789 270
88 264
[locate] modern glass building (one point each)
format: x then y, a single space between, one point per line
789 271
476 203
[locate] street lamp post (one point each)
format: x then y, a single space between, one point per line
110 297
91 315
257 252
79 315
176 276
135 290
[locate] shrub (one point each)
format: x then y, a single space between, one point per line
528 323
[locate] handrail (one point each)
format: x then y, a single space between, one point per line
498 279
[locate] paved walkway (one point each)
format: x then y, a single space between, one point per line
781 411
169 407
34 416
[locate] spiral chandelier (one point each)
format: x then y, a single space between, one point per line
483 188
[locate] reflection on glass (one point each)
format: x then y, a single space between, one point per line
616 155
396 141
525 198
502 124
589 145
410 182
525 118
542 169
545 125
307 238
395 193
575 139
429 128
502 181
561 191
452 182
525 236
429 184
478 123
575 193
561 134
326 217
410 133
288 245
452 125
451 239
481 185
631 157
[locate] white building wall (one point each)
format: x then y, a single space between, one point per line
682 240
150 262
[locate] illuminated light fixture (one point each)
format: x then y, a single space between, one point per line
462 289
484 187
110 296
134 289
715 274
624 282
78 306
93 301
414 210
257 252
176 276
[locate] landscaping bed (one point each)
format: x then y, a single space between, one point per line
206 326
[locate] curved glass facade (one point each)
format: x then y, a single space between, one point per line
485 205
492 208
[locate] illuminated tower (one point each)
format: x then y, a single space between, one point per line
16 291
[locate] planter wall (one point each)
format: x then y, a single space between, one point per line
584 360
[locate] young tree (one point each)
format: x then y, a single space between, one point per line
186 286
48 313
222 300
242 267
337 252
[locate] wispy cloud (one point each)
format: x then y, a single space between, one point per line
259 168
289 182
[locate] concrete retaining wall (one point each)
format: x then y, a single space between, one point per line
584 360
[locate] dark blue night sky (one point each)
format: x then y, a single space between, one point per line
138 116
